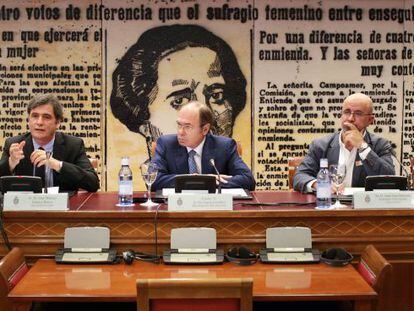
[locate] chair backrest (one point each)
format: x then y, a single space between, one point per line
375 269
195 294
12 268
94 162
239 148
293 163
412 172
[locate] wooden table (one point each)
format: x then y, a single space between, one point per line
48 281
39 234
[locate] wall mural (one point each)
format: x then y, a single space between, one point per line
275 73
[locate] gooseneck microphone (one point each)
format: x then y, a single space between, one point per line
407 175
145 129
213 164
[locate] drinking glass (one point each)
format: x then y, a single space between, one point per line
149 172
337 174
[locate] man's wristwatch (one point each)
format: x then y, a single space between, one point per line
363 147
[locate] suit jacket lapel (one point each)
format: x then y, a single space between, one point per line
59 147
333 155
58 154
208 153
28 148
359 172
181 159
358 169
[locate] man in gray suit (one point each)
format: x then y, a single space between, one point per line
362 153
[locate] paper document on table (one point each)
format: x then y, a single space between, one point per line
85 257
290 257
235 192
352 190
195 258
239 192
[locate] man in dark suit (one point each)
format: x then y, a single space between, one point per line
27 154
190 151
362 153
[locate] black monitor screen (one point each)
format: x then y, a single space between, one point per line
195 182
385 182
21 183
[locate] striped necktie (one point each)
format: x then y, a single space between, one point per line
192 165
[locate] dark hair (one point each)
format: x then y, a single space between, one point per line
47 99
135 78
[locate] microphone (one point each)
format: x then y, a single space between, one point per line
213 164
407 175
145 129
34 167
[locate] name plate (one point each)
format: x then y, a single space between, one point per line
14 201
200 202
383 199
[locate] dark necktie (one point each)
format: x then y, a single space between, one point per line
192 165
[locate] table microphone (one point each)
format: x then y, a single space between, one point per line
407 175
213 164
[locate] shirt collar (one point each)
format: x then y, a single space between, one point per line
199 148
48 147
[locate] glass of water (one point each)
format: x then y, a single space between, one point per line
337 174
149 172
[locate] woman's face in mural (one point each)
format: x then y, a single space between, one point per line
193 73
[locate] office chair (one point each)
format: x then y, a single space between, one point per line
195 294
293 163
376 270
12 269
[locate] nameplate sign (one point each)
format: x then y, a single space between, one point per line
14 201
200 202
383 199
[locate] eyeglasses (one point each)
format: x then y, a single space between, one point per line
356 114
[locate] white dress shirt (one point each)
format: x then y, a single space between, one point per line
346 158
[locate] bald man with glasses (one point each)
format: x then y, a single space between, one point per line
362 153
191 149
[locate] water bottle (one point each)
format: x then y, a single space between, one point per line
323 191
125 188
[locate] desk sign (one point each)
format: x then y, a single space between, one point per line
384 199
14 201
200 202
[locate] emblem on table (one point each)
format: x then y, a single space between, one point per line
179 201
16 200
367 198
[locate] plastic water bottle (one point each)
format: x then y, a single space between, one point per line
125 187
323 192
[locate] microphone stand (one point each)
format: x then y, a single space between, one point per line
145 129
407 175
218 174
157 258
